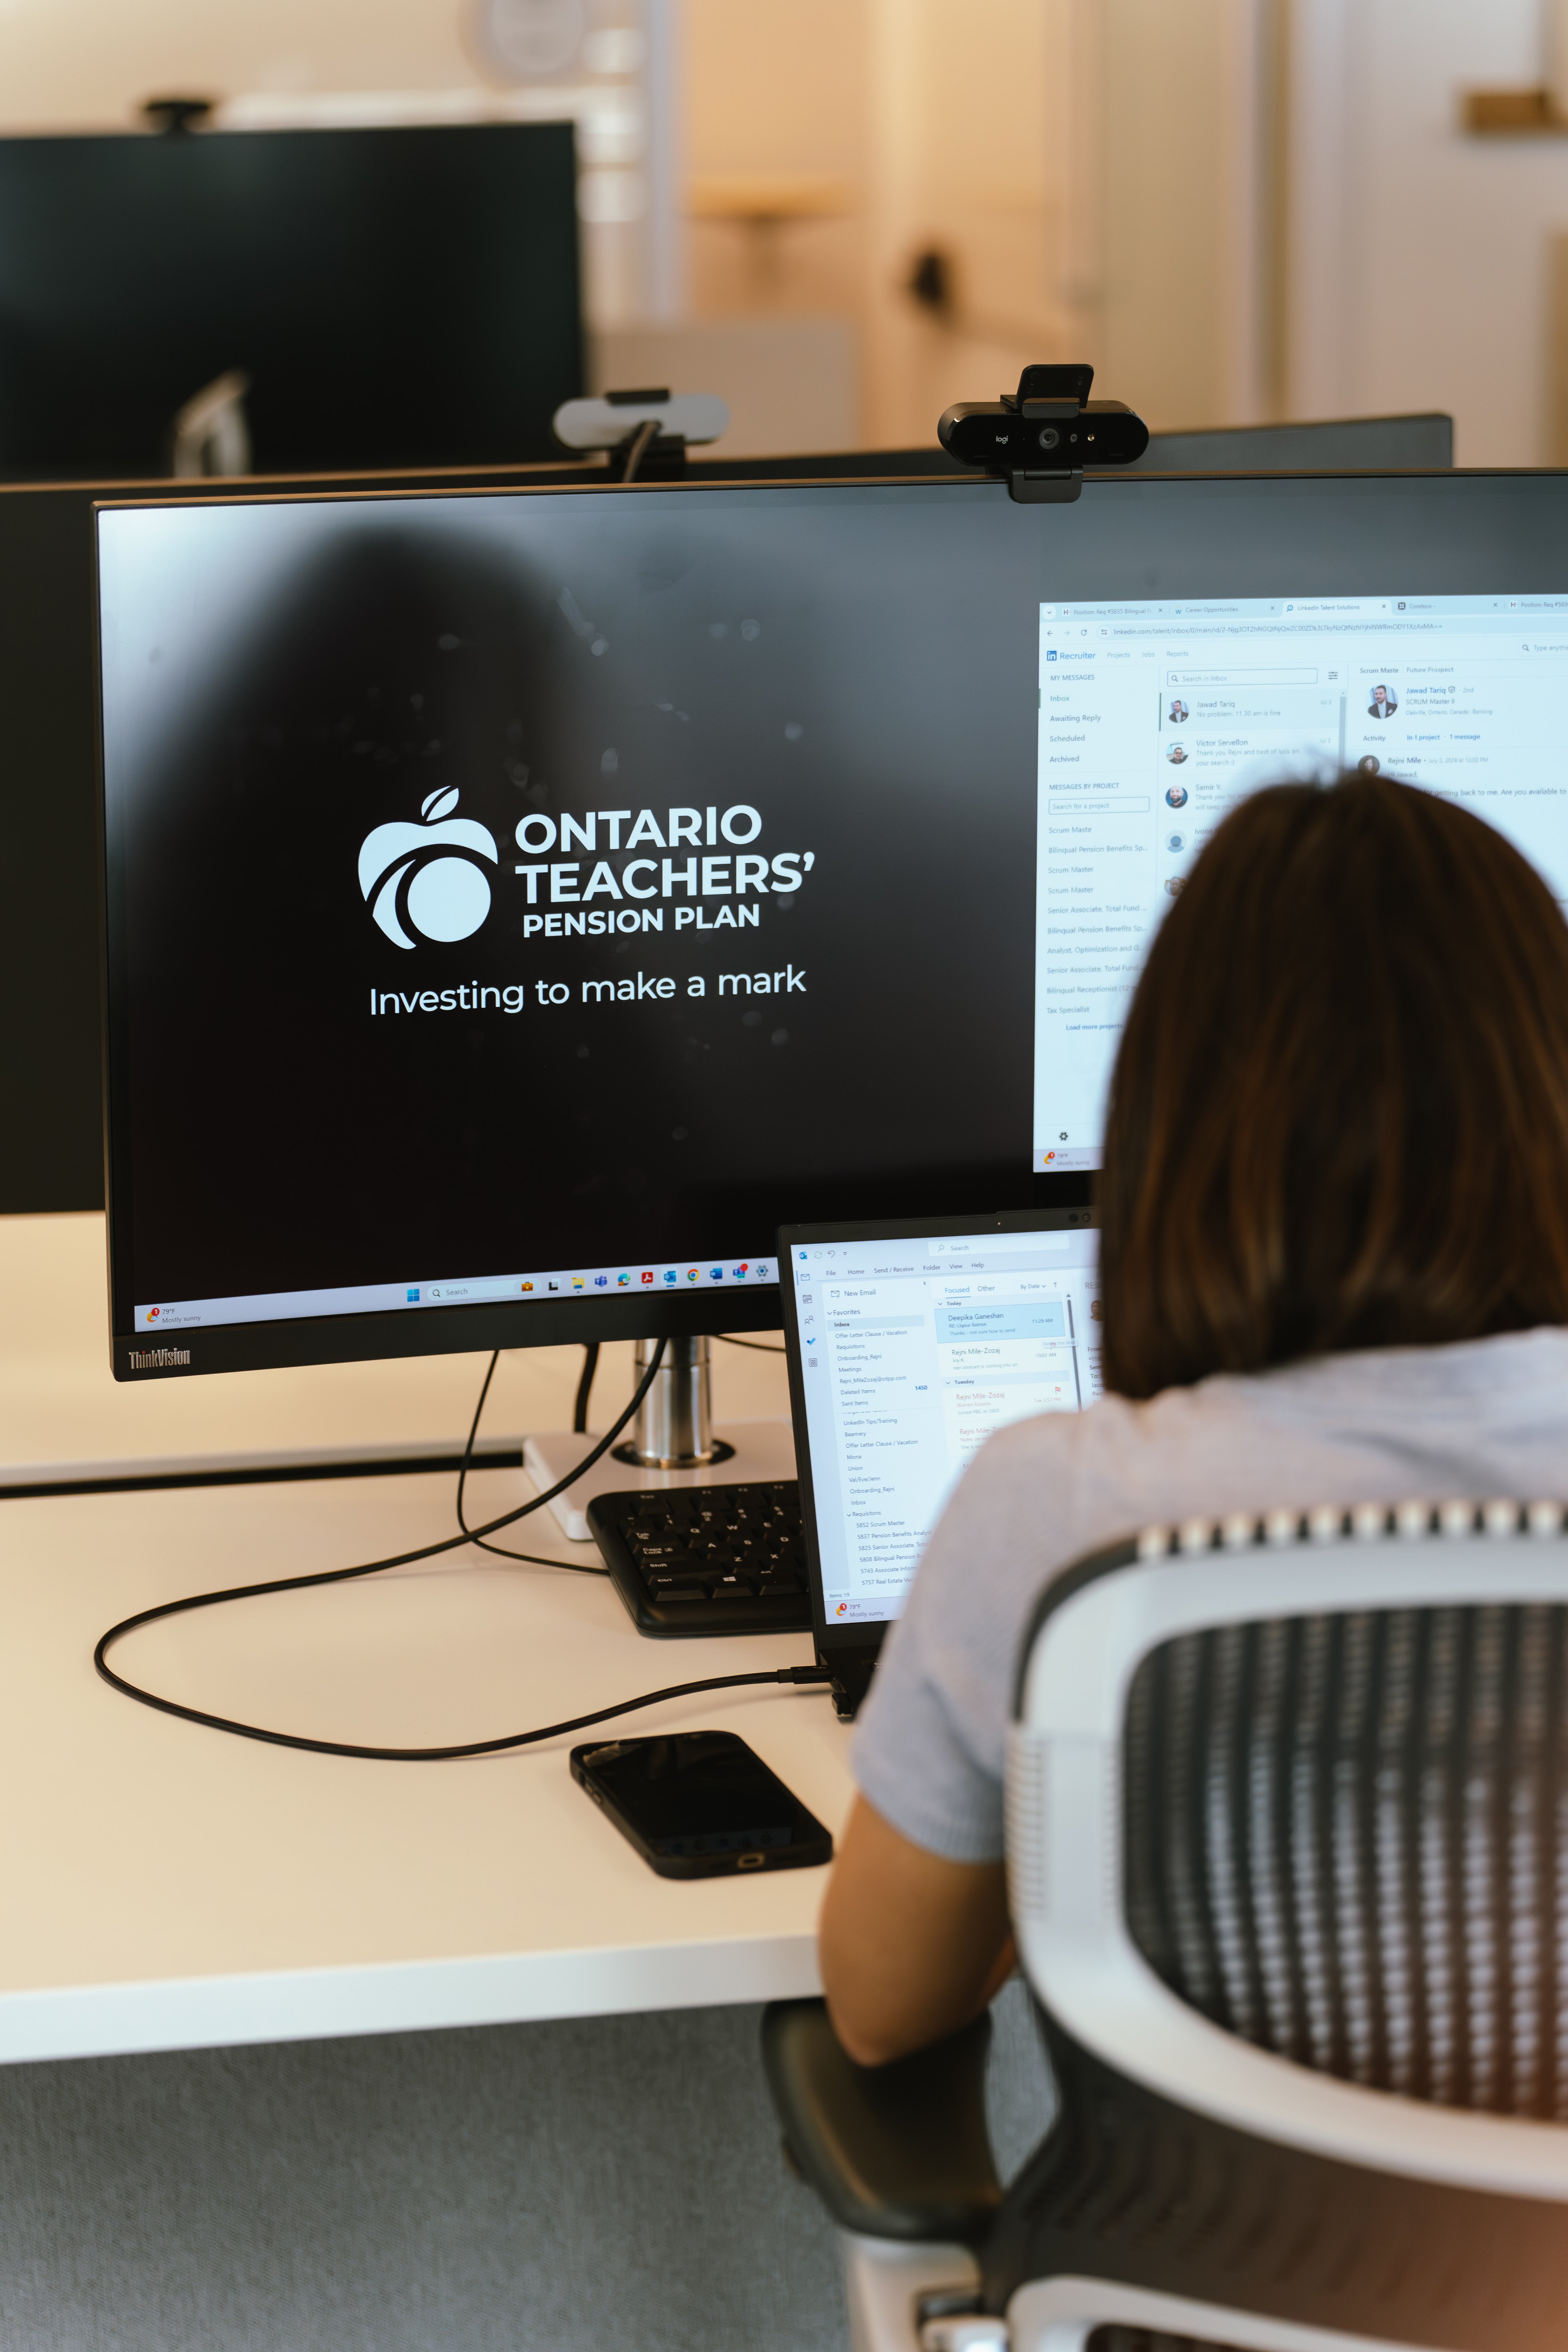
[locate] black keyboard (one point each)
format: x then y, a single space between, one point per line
706 1559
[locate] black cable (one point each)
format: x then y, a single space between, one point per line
373 1568
585 1387
795 1674
420 1754
503 1552
758 1347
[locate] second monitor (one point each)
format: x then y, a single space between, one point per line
392 296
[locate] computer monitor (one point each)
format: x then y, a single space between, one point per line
520 905
395 296
51 1069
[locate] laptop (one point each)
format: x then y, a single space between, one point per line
908 1343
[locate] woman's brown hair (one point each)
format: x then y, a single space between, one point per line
1339 1116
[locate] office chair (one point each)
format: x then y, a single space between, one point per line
1287 1859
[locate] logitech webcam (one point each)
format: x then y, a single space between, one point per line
1043 435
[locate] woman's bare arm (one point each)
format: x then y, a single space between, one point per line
911 1945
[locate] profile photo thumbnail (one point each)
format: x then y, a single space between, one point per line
1177 712
1177 797
1177 753
1383 704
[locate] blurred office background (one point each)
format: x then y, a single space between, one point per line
844 214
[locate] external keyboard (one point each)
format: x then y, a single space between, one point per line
706 1559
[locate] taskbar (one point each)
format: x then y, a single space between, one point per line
463 1290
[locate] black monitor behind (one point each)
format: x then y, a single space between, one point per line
1349 444
1382 444
394 296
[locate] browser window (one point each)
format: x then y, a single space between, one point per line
1156 719
912 1353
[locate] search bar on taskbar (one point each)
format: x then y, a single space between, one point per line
1242 677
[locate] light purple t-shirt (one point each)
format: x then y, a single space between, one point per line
1485 1417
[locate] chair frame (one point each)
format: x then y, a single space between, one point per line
1089 1636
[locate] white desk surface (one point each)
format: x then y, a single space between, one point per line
169 1888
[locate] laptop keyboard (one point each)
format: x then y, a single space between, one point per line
706 1559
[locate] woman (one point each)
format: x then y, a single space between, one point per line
1334 1265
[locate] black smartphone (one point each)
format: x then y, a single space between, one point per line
700 1804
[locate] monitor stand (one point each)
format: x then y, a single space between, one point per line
672 1442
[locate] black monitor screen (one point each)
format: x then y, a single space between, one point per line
396 298
521 904
530 898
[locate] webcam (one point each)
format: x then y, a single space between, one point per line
1041 437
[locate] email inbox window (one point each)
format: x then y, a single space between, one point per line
1156 719
912 1359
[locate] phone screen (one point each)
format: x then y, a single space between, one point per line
699 1802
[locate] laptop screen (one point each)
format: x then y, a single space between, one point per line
909 1345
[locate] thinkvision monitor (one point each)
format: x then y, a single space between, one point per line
520 905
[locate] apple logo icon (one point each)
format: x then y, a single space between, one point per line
427 877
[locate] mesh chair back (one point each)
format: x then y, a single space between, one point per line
1344 1841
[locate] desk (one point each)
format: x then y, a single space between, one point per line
169 1888
166 1887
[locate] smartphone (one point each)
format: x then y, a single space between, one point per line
700 1804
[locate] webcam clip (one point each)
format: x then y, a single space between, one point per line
1055 398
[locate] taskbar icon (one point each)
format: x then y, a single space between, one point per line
671 1277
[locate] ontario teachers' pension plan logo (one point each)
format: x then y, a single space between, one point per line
428 878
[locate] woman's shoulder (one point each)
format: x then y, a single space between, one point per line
1112 1437
1042 1491
1330 1429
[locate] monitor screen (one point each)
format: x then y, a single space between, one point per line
1157 716
520 904
396 297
